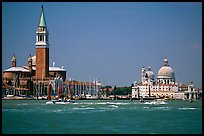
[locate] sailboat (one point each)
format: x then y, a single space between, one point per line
60 100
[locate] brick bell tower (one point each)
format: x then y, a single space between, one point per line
42 49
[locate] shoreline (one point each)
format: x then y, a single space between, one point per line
89 99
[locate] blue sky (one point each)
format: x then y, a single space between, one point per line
109 41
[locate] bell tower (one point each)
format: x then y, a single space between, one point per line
42 48
143 74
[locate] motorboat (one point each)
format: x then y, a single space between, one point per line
141 99
157 101
60 101
42 97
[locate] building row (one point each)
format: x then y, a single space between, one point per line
38 76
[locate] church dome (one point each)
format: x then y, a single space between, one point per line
150 74
165 71
34 60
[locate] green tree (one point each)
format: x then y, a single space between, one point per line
115 87
107 92
122 91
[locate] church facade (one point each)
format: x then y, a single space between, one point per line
165 85
37 74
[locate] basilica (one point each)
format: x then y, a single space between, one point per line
37 74
164 86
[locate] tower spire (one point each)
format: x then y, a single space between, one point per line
42 21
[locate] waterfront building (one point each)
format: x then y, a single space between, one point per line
34 78
165 86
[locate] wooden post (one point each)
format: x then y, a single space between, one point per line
70 91
49 88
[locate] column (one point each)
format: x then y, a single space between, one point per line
190 96
44 38
195 96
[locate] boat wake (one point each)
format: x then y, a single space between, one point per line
156 102
60 101
187 108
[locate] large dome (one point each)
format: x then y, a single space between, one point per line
165 71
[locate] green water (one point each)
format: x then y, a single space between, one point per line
101 117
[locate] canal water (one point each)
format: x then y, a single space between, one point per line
101 117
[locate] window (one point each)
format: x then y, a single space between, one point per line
40 37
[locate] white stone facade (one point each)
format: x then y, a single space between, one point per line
164 87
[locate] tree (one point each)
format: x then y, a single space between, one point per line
121 91
115 87
107 92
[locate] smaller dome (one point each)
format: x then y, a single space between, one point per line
150 74
34 60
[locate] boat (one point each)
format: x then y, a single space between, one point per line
42 98
157 101
91 97
60 101
141 99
